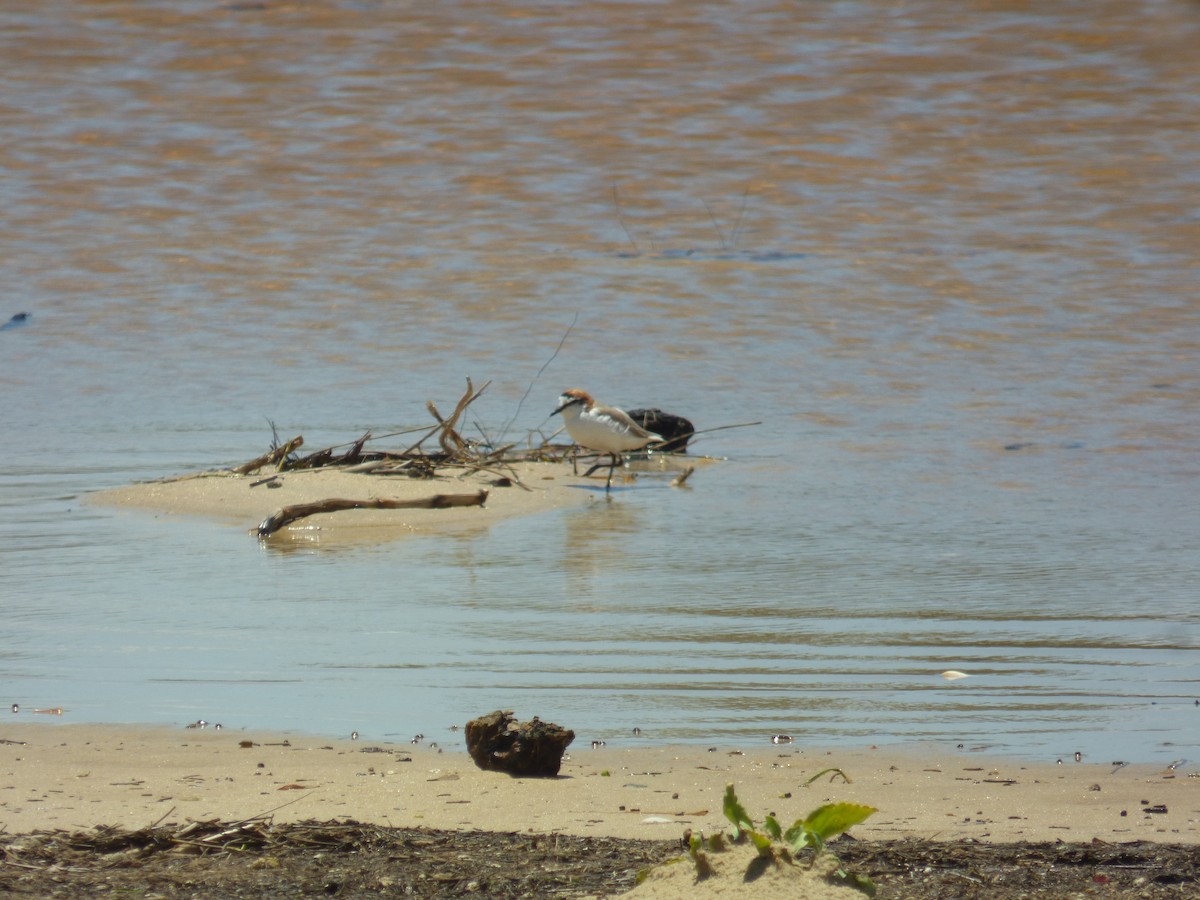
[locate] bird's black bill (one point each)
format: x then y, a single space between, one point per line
570 402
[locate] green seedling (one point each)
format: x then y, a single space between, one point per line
779 846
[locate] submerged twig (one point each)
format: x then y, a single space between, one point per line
681 479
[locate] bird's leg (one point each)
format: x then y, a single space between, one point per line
588 473
612 468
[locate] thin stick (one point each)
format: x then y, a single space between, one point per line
545 365
428 434
158 821
263 815
379 437
487 438
479 467
724 427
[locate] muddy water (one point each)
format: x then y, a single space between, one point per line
945 253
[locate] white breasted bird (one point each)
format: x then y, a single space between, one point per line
604 429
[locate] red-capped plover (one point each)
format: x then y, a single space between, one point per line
605 429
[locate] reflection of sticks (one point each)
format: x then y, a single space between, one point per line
731 244
621 219
741 213
716 225
290 514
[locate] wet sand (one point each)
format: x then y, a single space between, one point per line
77 776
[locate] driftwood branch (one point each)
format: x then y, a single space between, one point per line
289 514
454 446
453 443
272 458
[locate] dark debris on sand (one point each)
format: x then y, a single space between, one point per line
259 859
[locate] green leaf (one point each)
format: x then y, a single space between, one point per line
771 826
834 818
736 813
798 836
762 843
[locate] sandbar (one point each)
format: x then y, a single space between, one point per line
72 777
246 500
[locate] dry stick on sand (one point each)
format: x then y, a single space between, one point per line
452 442
290 514
453 445
271 458
447 426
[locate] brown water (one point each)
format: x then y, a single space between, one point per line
946 253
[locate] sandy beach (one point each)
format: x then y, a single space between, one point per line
77 776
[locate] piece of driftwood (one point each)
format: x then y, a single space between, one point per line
453 443
289 514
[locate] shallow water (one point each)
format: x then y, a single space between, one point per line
944 253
